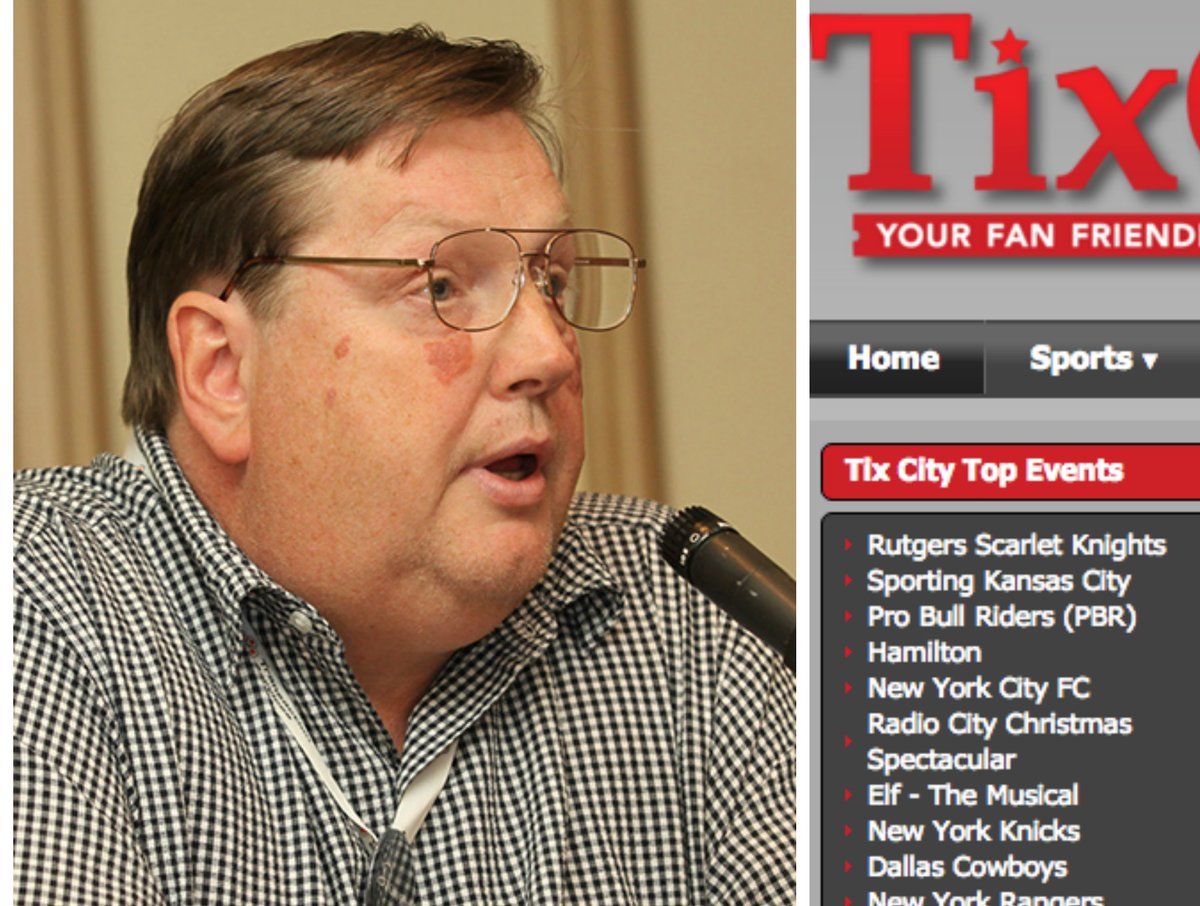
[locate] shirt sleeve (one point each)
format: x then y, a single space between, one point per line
752 811
74 839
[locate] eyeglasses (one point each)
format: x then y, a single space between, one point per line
473 278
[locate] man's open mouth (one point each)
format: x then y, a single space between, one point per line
514 468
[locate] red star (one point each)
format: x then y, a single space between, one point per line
1010 48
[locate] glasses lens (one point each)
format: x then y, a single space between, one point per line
592 277
474 279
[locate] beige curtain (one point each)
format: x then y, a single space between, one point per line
600 137
59 391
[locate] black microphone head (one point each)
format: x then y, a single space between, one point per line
685 532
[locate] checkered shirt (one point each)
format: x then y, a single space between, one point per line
620 740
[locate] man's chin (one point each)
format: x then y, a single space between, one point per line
496 557
485 599
520 552
502 559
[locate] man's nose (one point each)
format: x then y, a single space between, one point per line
535 270
537 349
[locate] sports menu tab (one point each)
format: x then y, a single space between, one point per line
1045 359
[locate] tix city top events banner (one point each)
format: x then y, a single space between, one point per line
1039 110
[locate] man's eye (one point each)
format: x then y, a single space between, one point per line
440 289
445 287
558 280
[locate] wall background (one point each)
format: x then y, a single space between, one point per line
710 125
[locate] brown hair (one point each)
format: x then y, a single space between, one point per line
231 177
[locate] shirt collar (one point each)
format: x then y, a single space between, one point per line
231 579
577 588
576 597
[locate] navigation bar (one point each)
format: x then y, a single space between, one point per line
1017 359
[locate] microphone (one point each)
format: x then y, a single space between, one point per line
740 579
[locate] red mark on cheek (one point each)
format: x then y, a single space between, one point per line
449 358
342 347
330 398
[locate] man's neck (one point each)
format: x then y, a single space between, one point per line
393 672
393 677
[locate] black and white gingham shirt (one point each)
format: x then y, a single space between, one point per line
621 741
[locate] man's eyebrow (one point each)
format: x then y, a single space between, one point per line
558 223
410 221
419 215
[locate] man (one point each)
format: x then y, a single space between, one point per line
346 637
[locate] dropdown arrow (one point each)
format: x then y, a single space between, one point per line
1151 359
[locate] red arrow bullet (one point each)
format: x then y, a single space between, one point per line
846 580
846 831
846 651
846 794
846 541
846 866
846 901
846 740
846 687
847 616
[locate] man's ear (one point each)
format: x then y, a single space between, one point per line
211 345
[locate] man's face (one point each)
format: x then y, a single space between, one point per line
399 469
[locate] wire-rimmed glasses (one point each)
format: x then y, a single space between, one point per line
474 277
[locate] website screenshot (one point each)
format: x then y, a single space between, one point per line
1005 452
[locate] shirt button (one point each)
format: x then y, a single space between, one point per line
300 622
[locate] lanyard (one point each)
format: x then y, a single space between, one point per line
416 800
